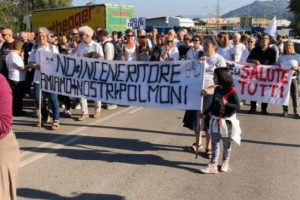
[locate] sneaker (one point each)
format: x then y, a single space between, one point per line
211 169
68 113
78 106
111 106
225 166
83 117
264 112
285 114
96 114
252 111
296 115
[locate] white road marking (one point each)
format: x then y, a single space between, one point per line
136 110
29 157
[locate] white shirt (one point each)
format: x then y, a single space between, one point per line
84 48
130 54
14 62
224 52
244 56
173 53
193 53
288 61
34 58
210 65
236 51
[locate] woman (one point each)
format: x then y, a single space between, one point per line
290 60
143 49
169 51
196 51
211 60
33 60
130 48
9 147
224 46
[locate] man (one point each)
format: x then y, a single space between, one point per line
87 46
237 48
109 53
7 35
33 62
27 48
143 34
262 55
153 37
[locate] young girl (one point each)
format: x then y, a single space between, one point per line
223 123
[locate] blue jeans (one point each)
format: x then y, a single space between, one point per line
53 102
215 145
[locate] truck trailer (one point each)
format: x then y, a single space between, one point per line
62 20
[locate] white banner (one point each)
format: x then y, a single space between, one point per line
169 85
262 83
137 23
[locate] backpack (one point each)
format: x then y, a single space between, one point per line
117 50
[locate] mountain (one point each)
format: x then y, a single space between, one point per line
263 9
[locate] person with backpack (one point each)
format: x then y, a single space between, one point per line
109 53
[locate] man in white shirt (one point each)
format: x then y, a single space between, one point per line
237 48
109 53
86 46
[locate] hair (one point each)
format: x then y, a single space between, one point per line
211 40
155 49
103 32
17 45
129 31
285 46
224 77
42 30
225 37
86 30
197 37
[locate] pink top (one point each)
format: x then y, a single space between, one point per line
5 107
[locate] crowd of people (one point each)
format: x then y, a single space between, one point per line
20 66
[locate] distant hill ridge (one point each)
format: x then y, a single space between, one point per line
262 9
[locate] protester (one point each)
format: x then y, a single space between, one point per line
237 48
7 35
250 46
129 48
211 60
224 46
9 147
169 51
196 51
223 123
29 73
262 55
109 54
86 46
290 60
34 62
16 76
156 53
144 50
185 47
117 42
153 40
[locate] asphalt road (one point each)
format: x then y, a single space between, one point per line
136 153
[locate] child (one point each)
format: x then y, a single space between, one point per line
223 123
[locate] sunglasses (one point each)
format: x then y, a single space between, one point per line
4 34
250 41
169 41
129 35
196 40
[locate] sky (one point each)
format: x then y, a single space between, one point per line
158 8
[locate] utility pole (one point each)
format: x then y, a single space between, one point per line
218 14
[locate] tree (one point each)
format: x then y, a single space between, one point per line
294 7
13 11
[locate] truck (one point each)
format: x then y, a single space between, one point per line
62 20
